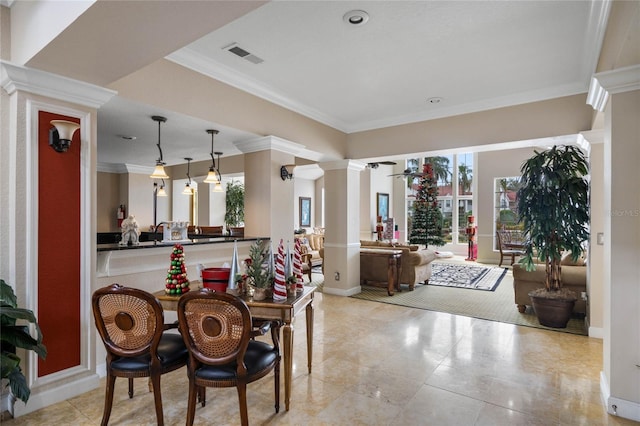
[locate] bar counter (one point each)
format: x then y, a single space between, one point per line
195 240
115 260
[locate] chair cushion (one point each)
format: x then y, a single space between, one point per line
171 350
258 357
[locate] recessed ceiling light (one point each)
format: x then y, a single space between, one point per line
356 17
435 100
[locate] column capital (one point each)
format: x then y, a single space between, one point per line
267 143
15 77
611 82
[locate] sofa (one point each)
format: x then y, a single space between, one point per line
416 264
573 276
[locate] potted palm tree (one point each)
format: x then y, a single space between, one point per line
553 205
14 336
234 203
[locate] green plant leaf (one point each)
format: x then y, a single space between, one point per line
7 296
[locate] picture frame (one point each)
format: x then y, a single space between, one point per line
382 203
304 211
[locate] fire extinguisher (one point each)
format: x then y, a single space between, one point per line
122 212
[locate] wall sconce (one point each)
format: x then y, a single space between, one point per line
61 133
286 171
158 172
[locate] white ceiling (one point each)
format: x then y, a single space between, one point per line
475 55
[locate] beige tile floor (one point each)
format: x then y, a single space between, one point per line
379 364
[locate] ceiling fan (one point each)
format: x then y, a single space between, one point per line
408 173
375 165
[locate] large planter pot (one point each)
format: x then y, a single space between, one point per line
552 312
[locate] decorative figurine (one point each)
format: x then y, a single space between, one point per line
130 231
472 252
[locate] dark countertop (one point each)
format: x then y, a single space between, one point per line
193 241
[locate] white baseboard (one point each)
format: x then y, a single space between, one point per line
341 292
616 406
56 394
596 332
101 370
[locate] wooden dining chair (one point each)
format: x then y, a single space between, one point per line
219 334
504 252
130 322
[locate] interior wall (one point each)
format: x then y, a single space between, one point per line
304 188
108 186
596 251
320 204
551 118
140 199
366 205
492 165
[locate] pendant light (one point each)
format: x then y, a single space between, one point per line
214 172
161 191
187 188
158 172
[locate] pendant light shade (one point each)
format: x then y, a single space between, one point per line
158 172
187 188
214 176
162 192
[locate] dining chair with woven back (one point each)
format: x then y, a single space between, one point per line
131 324
223 352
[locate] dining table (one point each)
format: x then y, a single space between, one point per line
284 311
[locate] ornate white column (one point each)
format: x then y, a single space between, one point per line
29 95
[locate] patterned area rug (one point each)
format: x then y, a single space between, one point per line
495 305
466 276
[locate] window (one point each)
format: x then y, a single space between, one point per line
452 171
505 204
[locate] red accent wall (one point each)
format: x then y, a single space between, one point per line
58 249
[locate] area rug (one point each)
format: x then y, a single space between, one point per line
495 305
466 276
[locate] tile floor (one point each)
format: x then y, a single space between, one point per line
379 364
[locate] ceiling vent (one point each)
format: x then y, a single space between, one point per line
239 51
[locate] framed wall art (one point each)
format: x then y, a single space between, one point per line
382 202
305 211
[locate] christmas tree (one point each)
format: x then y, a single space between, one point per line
177 282
426 227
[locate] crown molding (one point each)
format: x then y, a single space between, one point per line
15 77
124 168
606 83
